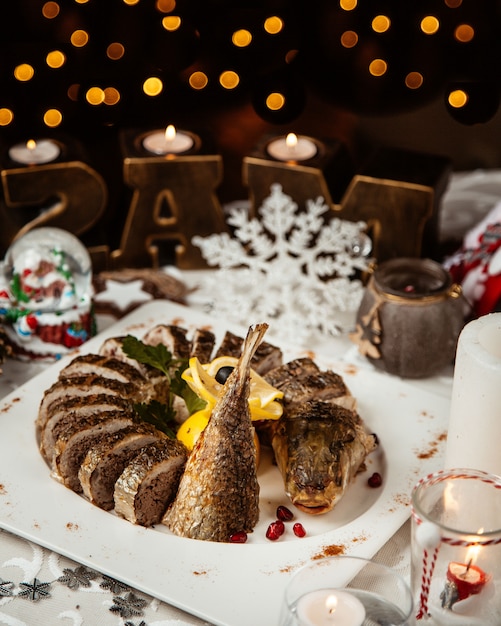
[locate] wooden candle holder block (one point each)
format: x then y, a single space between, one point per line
64 193
398 195
184 186
324 175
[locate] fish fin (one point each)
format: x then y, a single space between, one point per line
254 337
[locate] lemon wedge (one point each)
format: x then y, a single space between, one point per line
262 397
190 429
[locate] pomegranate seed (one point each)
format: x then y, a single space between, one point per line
275 530
299 530
284 514
375 480
238 537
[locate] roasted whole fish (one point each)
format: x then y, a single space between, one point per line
219 493
320 442
319 446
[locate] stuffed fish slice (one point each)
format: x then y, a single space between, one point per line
219 493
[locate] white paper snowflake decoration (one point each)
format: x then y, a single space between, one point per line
290 267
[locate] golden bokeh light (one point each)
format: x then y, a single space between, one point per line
275 101
241 38
165 6
273 25
381 23
457 98
153 86
24 72
378 67
198 80
414 80
94 96
429 25
453 4
115 51
55 59
79 38
131 3
349 39
348 5
52 118
171 22
111 96
229 79
464 33
81 1
50 10
6 116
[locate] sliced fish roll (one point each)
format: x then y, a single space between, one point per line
105 461
149 483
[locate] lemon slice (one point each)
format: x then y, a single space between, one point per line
259 388
201 382
262 397
221 361
272 411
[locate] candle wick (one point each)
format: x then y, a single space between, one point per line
468 565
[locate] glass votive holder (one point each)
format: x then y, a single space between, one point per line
346 591
456 549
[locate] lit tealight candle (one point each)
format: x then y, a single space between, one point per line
169 141
292 148
330 607
469 579
35 152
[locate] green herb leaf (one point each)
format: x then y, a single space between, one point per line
158 414
156 356
181 388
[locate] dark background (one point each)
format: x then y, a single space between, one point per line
330 93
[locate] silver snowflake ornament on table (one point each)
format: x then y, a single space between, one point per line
289 265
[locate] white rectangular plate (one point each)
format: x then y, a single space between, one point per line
226 584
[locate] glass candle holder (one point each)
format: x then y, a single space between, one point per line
410 318
456 549
346 591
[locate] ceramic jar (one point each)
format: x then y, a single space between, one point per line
410 317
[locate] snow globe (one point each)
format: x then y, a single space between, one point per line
46 294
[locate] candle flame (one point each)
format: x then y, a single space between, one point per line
291 140
31 144
170 133
331 604
473 551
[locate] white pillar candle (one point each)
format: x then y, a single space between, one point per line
35 152
475 416
292 148
329 607
169 141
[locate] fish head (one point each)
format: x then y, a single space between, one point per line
316 482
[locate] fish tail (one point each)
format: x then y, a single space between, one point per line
252 340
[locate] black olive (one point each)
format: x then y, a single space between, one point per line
223 373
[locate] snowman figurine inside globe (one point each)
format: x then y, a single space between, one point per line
46 294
